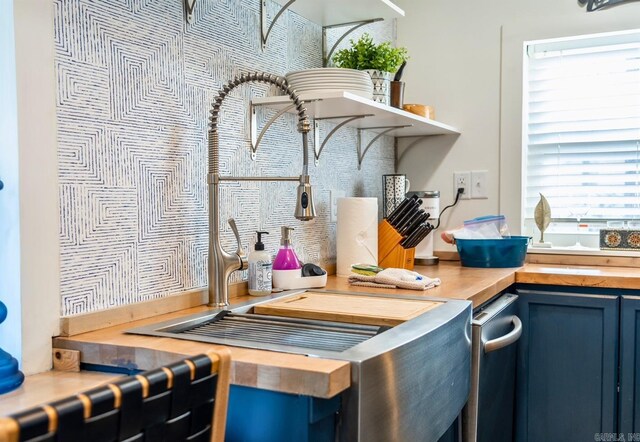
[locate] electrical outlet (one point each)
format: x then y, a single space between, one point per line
462 179
479 184
333 198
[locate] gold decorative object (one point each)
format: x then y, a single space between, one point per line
542 216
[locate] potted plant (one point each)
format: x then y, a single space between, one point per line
381 61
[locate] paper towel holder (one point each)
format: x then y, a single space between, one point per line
357 233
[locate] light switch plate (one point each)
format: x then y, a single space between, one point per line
333 198
479 184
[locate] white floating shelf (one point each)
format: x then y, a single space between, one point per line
338 104
335 12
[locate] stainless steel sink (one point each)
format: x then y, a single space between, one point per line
408 382
270 332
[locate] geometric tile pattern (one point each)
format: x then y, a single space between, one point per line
135 83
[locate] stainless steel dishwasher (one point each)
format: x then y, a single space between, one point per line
488 415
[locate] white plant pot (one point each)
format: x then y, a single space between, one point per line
381 85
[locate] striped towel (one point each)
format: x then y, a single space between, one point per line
395 278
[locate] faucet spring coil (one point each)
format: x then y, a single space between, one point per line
262 77
213 147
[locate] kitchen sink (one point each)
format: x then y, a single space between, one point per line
271 332
419 368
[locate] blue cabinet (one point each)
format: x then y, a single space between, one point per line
267 416
567 368
629 408
453 433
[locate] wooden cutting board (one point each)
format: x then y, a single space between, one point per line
347 308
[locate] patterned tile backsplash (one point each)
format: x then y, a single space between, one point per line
135 84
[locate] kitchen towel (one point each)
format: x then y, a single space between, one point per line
395 278
357 233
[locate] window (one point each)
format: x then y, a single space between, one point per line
582 127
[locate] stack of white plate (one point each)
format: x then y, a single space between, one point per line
331 80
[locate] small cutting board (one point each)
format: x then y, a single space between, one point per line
351 309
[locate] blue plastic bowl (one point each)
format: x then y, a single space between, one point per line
509 251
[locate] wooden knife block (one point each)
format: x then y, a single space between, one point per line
390 252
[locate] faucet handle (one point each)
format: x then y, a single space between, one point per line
244 261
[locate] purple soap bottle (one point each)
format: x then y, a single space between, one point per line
286 259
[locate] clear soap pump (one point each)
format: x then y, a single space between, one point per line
260 283
286 258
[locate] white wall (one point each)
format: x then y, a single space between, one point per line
466 60
36 112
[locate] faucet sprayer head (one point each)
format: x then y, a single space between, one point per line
305 210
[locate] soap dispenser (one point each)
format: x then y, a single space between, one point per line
260 269
286 266
286 259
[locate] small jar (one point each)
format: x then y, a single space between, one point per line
430 204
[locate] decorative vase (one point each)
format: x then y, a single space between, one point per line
381 85
10 377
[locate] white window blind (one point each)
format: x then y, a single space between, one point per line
582 126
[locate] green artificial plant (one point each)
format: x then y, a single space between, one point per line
365 54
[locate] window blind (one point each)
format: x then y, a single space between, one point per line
582 111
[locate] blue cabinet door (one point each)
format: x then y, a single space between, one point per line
567 366
629 411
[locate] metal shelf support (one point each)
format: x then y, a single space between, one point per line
326 56
409 146
265 29
253 126
189 6
316 133
415 140
386 129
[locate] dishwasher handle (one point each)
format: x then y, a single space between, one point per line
506 340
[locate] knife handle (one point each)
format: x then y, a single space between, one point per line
398 210
408 213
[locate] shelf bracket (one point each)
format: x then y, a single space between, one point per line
316 133
386 129
189 6
326 56
253 126
416 140
264 29
253 123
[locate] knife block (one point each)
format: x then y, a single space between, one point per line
390 252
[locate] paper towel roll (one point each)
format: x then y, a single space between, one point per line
357 233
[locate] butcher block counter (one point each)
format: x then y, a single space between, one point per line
320 377
324 378
480 285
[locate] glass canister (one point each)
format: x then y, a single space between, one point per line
430 204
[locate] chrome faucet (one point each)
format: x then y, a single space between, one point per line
222 263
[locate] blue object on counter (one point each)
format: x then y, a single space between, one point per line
10 377
488 218
510 251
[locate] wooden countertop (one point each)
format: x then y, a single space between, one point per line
267 370
320 377
580 276
50 386
480 285
457 282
